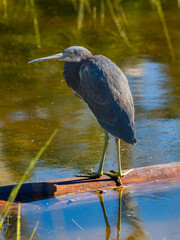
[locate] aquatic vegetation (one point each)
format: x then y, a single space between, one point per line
16 189
36 99
157 3
36 25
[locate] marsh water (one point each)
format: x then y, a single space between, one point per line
141 37
143 212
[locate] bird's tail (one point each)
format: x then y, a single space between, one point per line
134 141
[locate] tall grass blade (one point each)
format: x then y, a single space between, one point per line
102 15
32 235
5 8
80 14
74 4
165 28
121 15
88 6
19 223
15 190
118 23
94 14
36 25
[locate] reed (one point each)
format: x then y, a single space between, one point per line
102 14
118 23
157 3
32 235
16 189
88 6
121 14
94 13
74 4
5 8
80 14
19 223
36 25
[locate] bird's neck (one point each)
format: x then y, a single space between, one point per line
71 76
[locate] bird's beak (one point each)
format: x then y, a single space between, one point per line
59 56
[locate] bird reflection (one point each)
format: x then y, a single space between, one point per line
108 228
118 226
126 201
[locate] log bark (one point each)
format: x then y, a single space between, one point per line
40 190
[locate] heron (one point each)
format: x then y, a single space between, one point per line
105 89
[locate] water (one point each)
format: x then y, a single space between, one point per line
144 211
35 98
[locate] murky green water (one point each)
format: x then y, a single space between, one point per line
35 99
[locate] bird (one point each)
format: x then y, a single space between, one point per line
104 88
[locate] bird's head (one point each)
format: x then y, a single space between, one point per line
71 54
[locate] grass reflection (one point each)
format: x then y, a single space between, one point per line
14 192
136 212
35 98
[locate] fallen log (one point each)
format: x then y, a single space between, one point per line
46 189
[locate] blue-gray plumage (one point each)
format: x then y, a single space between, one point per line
104 87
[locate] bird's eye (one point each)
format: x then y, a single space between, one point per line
71 53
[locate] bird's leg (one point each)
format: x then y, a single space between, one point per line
106 142
118 174
100 169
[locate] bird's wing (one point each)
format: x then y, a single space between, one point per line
106 91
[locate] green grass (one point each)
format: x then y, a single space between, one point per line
160 12
16 189
18 236
19 223
35 22
32 235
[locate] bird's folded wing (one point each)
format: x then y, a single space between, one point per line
105 89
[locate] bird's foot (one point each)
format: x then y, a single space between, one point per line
123 174
92 174
117 175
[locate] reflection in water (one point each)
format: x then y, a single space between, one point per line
108 227
128 215
128 207
138 212
35 100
